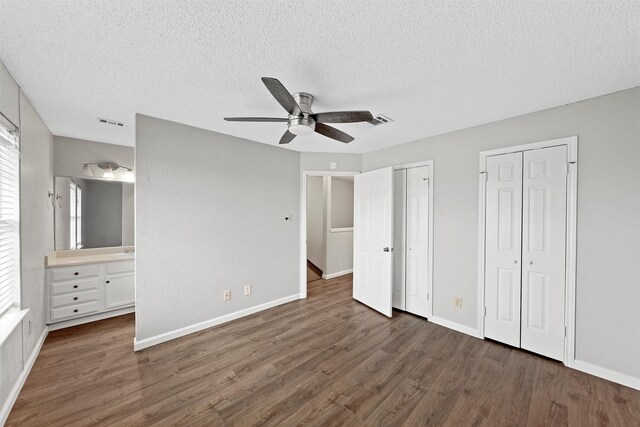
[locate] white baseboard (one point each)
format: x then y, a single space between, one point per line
168 336
15 391
455 326
338 274
92 318
607 374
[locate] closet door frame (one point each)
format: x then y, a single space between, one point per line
571 143
428 163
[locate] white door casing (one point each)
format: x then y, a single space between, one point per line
503 248
399 230
544 216
373 233
417 241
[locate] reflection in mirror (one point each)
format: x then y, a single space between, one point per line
93 213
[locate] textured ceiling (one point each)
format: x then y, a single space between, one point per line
433 67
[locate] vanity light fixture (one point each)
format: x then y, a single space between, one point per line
108 170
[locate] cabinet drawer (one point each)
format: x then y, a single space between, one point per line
120 267
78 272
74 311
74 298
74 286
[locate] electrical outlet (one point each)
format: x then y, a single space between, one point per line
247 290
457 303
227 295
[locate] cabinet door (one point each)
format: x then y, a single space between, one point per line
503 248
119 291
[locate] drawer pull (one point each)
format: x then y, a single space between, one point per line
75 298
76 273
107 281
75 286
75 311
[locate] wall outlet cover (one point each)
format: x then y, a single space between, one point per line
227 295
457 303
247 290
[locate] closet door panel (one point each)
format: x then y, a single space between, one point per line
417 267
543 249
503 246
399 243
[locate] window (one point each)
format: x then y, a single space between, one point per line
75 215
9 217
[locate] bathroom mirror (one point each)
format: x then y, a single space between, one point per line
92 213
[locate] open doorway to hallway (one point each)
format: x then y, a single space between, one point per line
329 227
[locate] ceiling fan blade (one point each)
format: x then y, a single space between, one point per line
343 117
255 119
287 137
282 95
333 133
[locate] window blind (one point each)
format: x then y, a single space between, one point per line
9 217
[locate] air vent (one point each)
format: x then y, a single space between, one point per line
111 122
380 119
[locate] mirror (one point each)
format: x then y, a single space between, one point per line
92 213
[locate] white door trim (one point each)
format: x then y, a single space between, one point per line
303 221
570 270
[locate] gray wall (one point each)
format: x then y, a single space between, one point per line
608 276
102 214
70 154
213 209
341 202
36 215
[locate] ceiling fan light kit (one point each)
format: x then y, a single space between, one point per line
302 120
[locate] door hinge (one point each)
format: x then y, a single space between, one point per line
565 331
427 296
485 312
486 175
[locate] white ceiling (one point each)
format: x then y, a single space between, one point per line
433 67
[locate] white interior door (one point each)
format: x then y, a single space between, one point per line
399 230
373 239
417 240
543 251
503 248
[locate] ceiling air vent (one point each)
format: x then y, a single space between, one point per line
111 122
380 119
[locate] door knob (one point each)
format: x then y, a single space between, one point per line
530 262
515 261
387 249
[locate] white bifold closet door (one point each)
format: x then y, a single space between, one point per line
373 239
417 264
525 249
544 219
503 248
411 240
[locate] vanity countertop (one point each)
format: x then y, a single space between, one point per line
89 256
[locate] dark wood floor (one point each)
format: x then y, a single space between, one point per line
327 360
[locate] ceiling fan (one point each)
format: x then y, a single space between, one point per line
303 121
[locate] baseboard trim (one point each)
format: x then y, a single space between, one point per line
607 374
177 333
338 274
455 326
92 318
15 391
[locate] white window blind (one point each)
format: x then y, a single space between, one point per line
9 217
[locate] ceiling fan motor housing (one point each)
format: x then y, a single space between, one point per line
302 125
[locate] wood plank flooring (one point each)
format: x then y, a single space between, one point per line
327 360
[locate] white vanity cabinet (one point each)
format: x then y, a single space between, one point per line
91 289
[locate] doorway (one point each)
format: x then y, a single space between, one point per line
527 246
326 226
